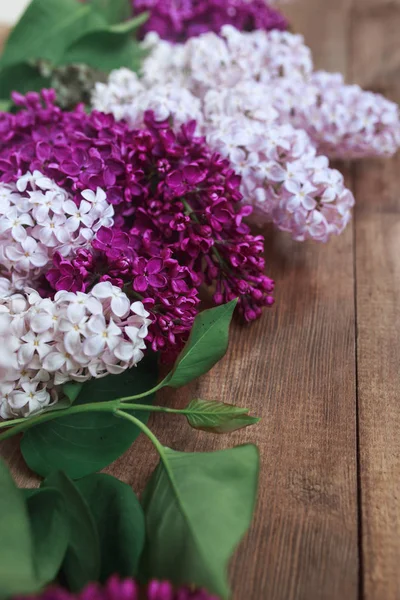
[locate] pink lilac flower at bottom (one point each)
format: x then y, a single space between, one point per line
117 589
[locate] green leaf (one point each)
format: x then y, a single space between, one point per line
47 28
105 51
17 568
49 525
21 78
120 523
113 11
207 344
85 443
197 509
82 560
218 417
72 389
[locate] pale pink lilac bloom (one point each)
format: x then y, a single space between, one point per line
344 121
282 176
38 219
128 98
72 338
213 61
264 107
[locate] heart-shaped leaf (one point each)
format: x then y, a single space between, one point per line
47 28
49 525
105 50
82 560
197 509
84 443
17 566
218 417
120 523
207 344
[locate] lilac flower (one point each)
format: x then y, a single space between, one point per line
64 276
71 337
116 589
111 241
181 182
178 20
39 219
148 273
178 219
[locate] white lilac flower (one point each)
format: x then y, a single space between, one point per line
345 121
242 123
216 61
38 218
128 99
72 338
281 186
258 102
117 299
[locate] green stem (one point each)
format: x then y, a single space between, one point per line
145 394
20 425
7 424
144 429
73 410
160 449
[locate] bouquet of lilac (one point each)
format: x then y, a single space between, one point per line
106 235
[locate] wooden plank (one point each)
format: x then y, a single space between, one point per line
325 27
299 366
296 369
376 64
3 34
378 309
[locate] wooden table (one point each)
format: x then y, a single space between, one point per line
322 369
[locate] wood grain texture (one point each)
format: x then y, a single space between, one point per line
3 34
376 63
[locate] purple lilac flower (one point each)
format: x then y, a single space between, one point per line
145 272
117 589
178 211
179 20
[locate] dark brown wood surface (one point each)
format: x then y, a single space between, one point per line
322 369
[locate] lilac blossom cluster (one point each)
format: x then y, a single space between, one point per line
343 121
147 272
219 62
75 336
178 216
283 178
259 103
128 589
39 219
179 21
